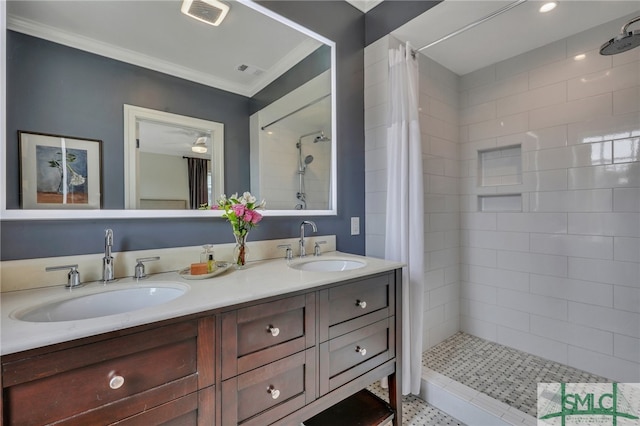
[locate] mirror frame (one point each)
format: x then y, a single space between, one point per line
21 214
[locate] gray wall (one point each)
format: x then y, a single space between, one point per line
337 21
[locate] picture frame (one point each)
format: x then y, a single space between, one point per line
59 172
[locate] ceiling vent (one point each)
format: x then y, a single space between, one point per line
250 70
210 12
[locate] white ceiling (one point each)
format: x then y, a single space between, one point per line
516 31
155 34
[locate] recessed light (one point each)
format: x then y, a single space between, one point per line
548 7
579 57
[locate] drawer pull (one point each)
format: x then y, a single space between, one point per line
273 330
362 351
116 382
275 393
361 303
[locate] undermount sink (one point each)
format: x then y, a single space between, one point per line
328 265
102 304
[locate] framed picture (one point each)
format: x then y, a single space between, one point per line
60 172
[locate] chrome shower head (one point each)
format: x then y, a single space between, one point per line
627 40
321 138
308 159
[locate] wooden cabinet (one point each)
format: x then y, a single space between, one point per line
279 361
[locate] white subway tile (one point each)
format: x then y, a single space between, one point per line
612 224
627 348
376 51
590 154
622 322
443 111
434 279
567 69
596 200
478 113
478 221
571 112
607 366
510 124
433 315
626 249
518 241
499 89
452 238
547 180
375 181
603 128
609 176
532 262
550 53
536 345
469 150
374 246
452 275
375 223
375 159
376 73
479 256
603 81
443 185
375 202
375 116
626 150
496 314
478 292
573 334
443 221
501 278
573 290
443 295
433 241
605 271
626 199
444 148
433 166
626 298
626 101
550 137
593 247
534 304
444 258
483 329
533 222
375 138
532 99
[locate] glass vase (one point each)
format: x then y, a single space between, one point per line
240 251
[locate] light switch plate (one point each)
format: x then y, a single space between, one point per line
355 226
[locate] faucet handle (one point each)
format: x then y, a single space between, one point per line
316 248
73 278
139 270
288 254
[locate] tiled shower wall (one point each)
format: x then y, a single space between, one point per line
558 275
439 131
561 277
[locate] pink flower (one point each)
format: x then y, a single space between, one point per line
257 217
238 209
248 215
215 207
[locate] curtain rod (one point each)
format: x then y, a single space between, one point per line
469 26
293 112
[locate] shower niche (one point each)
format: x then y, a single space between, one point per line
500 167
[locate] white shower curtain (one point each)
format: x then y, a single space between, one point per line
404 240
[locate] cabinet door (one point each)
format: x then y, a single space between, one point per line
260 334
262 396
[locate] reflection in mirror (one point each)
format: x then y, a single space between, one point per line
172 162
108 57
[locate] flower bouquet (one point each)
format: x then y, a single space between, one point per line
242 213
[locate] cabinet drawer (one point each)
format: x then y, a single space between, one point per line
77 380
351 355
257 335
351 306
264 395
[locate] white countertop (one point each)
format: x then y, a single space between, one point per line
260 279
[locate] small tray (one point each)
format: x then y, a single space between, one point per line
221 267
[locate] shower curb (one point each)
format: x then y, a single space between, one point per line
469 405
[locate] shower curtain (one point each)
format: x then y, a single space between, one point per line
404 240
198 191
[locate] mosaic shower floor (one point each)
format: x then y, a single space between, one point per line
416 412
505 374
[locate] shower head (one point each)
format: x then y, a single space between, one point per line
627 40
321 138
308 159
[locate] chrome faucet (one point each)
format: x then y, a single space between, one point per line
303 251
107 260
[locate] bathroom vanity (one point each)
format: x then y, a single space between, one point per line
292 345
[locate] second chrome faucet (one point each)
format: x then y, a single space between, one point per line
303 251
107 260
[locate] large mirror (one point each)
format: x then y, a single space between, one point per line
258 91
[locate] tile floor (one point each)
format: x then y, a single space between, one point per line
416 412
502 373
